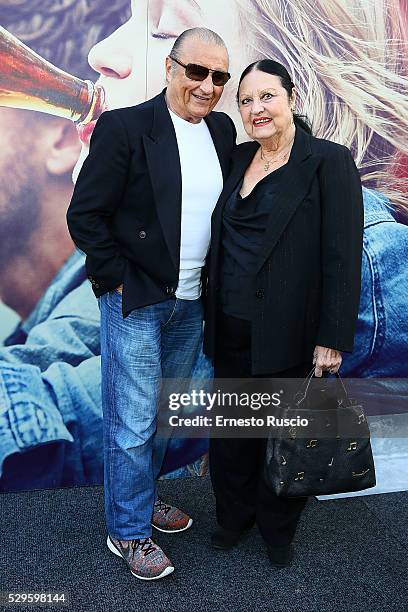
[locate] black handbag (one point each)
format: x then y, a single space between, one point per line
338 460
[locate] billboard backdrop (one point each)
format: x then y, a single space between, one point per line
347 59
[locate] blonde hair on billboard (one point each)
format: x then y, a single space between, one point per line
346 58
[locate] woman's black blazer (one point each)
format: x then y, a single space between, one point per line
306 288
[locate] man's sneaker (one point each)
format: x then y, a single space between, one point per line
169 518
145 559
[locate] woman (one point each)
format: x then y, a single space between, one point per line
284 283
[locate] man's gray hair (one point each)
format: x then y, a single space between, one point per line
203 34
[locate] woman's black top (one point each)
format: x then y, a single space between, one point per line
244 223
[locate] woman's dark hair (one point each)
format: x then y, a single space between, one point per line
271 67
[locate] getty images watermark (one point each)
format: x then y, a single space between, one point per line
294 407
223 401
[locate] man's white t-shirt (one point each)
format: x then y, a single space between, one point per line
202 183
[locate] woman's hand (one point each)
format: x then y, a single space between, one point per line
326 359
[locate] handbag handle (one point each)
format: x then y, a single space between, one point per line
308 380
342 384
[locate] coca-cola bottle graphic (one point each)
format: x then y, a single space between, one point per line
30 82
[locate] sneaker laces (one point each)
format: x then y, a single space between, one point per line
160 506
146 546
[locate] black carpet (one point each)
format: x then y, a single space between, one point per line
351 556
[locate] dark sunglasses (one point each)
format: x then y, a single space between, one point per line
195 72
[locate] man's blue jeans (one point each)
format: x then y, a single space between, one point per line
151 343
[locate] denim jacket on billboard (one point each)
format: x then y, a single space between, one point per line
50 392
381 340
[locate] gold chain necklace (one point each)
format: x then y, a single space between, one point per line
282 156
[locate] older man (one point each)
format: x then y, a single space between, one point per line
141 211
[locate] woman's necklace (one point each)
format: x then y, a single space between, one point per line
282 156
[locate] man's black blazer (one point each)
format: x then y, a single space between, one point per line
125 212
307 280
